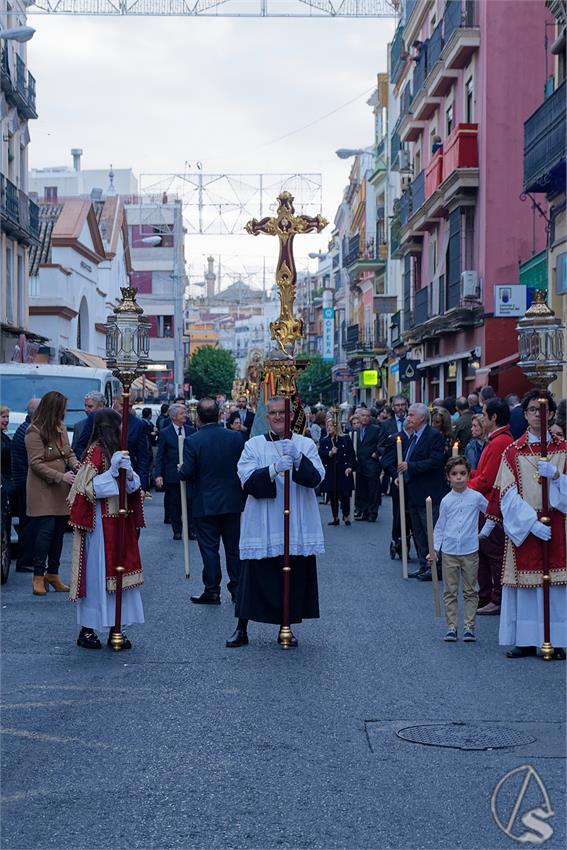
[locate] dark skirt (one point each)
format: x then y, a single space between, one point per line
259 594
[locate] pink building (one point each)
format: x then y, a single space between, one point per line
467 72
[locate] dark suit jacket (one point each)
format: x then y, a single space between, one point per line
210 458
390 426
167 456
426 469
518 422
137 445
390 456
248 422
374 443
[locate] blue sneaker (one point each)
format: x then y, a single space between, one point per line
469 636
450 635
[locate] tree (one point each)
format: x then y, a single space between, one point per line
315 383
211 371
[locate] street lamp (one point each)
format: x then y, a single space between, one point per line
318 255
127 354
541 337
346 153
20 34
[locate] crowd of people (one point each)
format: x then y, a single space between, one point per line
481 460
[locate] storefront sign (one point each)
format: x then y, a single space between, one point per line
409 370
510 300
342 373
328 334
368 378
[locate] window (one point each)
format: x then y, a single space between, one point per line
50 194
449 120
453 258
164 326
9 285
469 101
21 291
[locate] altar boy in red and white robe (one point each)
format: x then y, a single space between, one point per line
518 493
95 519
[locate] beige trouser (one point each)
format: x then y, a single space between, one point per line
467 567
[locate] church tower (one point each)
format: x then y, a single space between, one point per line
210 278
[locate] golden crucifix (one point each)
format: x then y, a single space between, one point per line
287 329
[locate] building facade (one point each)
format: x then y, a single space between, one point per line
18 213
461 230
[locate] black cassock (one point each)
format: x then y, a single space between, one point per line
260 587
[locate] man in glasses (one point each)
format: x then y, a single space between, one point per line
526 462
261 469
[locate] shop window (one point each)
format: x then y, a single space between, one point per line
469 101
164 326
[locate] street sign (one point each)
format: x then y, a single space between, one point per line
328 334
342 373
510 299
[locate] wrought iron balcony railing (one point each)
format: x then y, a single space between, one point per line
435 45
397 55
421 309
544 145
18 214
420 70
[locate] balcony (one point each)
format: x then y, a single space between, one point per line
397 55
19 216
352 252
17 85
395 147
415 13
408 126
421 309
437 312
544 145
360 340
461 36
405 207
395 328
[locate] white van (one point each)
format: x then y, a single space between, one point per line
21 381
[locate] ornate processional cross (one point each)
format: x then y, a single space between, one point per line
287 329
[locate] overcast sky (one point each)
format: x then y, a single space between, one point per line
155 94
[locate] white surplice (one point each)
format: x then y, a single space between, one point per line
521 612
98 608
261 531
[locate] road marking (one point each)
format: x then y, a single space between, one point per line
54 739
24 795
52 703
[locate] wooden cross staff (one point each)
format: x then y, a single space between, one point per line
286 330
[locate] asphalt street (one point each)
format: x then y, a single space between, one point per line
182 743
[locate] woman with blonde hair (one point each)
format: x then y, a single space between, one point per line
51 472
477 442
441 421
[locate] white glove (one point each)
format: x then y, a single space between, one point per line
546 469
115 463
283 464
540 530
487 528
290 448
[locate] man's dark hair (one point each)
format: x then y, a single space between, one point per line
180 399
208 410
486 393
449 404
146 413
462 404
459 460
535 395
512 400
164 408
497 407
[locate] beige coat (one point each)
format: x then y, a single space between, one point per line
46 491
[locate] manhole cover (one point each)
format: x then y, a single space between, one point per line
465 736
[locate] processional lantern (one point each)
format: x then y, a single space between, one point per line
127 354
541 337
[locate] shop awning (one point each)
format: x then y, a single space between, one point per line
91 360
446 358
505 361
138 384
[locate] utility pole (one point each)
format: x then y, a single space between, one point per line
178 292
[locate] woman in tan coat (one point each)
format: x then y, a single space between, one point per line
51 472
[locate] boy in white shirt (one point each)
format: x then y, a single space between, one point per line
456 536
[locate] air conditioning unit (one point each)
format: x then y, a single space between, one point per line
405 181
470 286
404 160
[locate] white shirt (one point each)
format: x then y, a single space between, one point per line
456 530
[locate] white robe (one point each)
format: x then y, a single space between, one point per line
98 608
261 531
521 612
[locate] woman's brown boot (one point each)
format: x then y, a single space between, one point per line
55 582
38 586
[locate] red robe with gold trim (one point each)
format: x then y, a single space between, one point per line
82 500
523 564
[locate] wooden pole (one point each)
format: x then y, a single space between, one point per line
353 495
402 501
116 637
434 578
547 650
184 518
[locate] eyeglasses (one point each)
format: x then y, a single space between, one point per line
532 410
277 413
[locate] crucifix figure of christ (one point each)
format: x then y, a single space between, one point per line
286 225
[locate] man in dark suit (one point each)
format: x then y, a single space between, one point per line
94 400
245 415
167 463
370 445
396 425
210 459
424 475
137 443
518 422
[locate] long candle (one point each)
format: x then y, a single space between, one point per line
402 495
455 450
